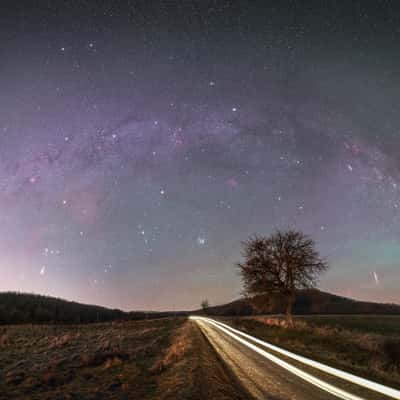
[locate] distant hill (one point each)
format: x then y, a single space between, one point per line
310 301
16 308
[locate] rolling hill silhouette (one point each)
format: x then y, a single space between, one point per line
309 301
16 308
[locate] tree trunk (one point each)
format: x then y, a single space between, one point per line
289 305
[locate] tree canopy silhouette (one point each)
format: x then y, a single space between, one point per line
280 264
205 305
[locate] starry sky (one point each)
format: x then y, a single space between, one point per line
141 141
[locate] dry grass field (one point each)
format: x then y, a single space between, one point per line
152 359
171 359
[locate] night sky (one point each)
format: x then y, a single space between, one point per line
141 141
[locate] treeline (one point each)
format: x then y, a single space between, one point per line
17 308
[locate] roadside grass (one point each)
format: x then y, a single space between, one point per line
367 346
191 370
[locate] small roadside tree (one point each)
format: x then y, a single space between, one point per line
280 264
205 305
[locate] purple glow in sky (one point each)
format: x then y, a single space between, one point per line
139 144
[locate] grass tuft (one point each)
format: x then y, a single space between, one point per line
176 351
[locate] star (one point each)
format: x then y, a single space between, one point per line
201 240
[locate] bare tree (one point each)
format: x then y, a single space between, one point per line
205 305
280 264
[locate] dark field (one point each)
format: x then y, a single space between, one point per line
170 358
154 359
82 361
366 345
385 325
